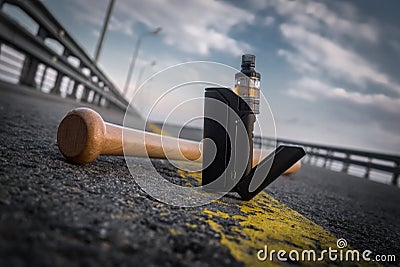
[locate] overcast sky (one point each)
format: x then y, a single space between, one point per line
330 69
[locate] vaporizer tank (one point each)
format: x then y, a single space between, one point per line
247 83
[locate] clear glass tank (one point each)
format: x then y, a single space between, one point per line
247 83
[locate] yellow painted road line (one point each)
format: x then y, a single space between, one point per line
155 129
265 221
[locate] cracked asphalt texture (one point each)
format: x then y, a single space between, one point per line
56 214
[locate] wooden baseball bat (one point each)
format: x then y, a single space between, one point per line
83 135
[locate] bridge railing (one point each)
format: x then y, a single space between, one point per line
44 53
326 156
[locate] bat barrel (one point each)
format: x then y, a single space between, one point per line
80 135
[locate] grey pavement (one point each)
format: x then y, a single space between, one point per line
53 213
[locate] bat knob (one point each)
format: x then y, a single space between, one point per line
80 135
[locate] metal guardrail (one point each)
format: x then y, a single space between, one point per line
38 55
348 157
320 155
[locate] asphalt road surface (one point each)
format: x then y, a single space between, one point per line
53 213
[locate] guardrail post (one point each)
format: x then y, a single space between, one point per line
42 33
99 100
31 64
346 164
307 157
68 86
85 94
395 179
43 77
368 169
329 160
57 84
74 89
314 150
326 159
366 175
104 102
28 71
95 98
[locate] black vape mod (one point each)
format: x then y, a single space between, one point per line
229 118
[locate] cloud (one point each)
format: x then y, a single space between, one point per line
96 33
318 16
297 61
360 120
324 37
88 12
324 40
269 20
196 27
336 61
313 90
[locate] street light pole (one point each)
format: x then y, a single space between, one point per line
153 63
103 31
135 54
132 65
